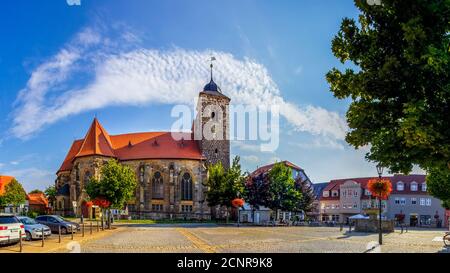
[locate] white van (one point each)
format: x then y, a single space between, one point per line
10 229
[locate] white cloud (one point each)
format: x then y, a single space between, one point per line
2 165
33 178
124 76
320 143
251 158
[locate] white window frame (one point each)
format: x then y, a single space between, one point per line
397 201
422 201
400 183
402 201
414 186
413 201
428 202
424 186
326 194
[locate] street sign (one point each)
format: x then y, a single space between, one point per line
74 204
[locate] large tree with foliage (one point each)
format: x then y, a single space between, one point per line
225 185
50 193
399 82
283 193
116 185
308 197
438 184
14 194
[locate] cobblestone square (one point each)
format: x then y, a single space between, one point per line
231 239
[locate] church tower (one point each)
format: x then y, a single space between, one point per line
211 126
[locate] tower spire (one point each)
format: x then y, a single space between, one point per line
211 66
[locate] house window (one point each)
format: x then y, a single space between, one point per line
402 201
413 201
186 187
413 186
355 193
422 201
367 192
400 186
335 193
157 186
157 207
186 208
428 202
344 193
332 206
424 186
397 201
326 194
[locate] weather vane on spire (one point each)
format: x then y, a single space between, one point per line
212 59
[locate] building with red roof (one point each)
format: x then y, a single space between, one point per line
170 166
37 202
343 198
4 181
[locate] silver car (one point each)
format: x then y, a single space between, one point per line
33 229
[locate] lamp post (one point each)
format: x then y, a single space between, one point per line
380 230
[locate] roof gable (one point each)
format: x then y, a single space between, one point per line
96 142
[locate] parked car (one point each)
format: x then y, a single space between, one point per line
33 230
10 228
55 221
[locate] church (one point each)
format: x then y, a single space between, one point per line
171 172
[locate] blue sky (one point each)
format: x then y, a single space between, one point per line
60 65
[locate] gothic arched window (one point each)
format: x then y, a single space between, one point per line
77 173
86 178
186 187
157 186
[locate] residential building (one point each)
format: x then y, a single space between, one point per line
318 188
37 202
297 173
347 197
410 198
171 167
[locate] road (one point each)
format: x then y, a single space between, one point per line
228 239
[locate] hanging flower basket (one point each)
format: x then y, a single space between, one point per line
89 204
380 188
101 202
238 203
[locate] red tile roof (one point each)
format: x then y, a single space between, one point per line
134 146
267 168
363 181
37 199
4 181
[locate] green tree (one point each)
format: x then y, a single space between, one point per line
14 194
438 184
283 193
50 193
307 200
36 191
399 81
225 185
117 185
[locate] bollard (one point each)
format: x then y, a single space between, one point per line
59 233
90 228
71 229
20 241
97 225
43 237
82 230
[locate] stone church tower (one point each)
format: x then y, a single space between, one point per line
211 126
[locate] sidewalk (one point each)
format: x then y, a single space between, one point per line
52 244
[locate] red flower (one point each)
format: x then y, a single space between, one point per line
89 204
101 202
380 188
238 202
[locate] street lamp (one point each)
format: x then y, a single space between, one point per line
380 231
